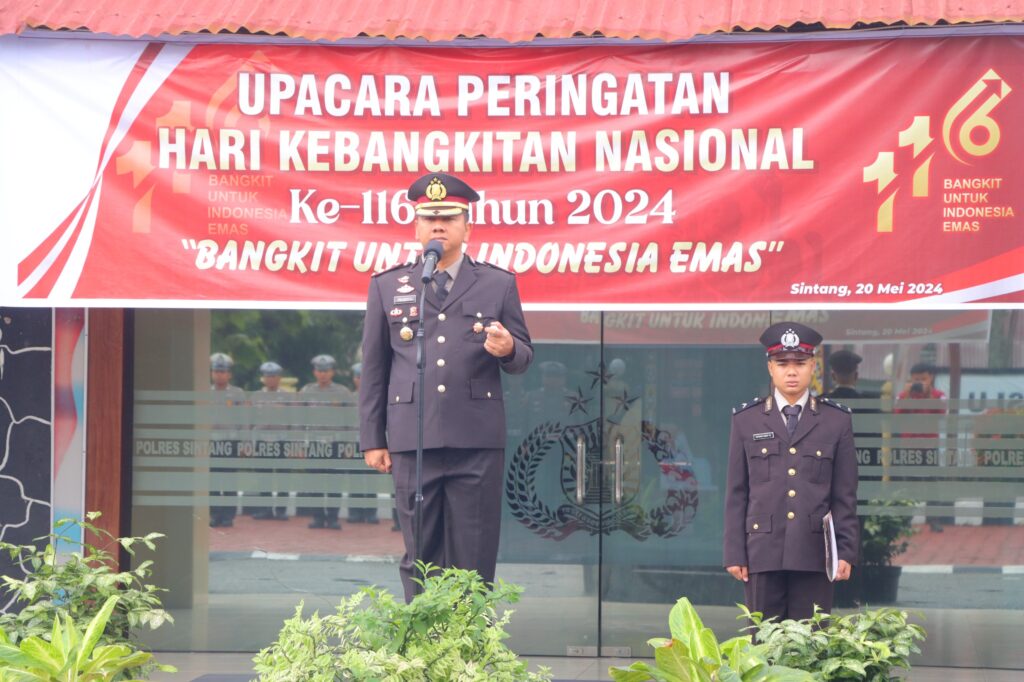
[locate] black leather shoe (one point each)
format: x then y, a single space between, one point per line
316 523
334 524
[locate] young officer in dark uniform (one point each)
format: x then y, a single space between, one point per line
791 461
844 375
474 327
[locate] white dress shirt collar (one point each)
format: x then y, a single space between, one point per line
781 402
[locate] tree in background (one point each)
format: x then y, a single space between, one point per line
289 337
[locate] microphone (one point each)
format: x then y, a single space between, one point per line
431 254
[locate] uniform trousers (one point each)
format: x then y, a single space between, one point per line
788 594
462 493
223 514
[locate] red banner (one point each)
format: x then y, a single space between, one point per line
793 174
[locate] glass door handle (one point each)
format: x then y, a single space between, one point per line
581 465
619 444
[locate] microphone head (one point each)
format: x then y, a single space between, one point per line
435 247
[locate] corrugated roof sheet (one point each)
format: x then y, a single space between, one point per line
511 20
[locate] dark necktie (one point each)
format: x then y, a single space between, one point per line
792 413
441 279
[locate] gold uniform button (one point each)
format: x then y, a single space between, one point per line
479 315
442 317
756 526
440 362
488 394
792 493
440 388
764 451
790 516
792 451
818 453
792 472
440 339
398 398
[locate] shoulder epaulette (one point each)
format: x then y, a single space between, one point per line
838 406
393 267
746 406
492 265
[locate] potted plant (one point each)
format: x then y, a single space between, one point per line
79 584
867 645
882 538
452 630
69 655
80 581
693 653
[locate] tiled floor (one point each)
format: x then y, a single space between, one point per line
192 666
293 536
965 546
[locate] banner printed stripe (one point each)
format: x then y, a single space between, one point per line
1001 287
1013 298
996 268
153 79
996 276
31 262
34 259
46 283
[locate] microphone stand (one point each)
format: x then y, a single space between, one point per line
417 525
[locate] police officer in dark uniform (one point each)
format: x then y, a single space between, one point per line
325 433
224 440
269 410
474 328
844 365
791 461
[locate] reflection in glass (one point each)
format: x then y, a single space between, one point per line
633 406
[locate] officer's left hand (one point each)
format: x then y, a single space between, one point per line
499 341
844 571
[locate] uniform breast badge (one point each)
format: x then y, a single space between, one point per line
405 333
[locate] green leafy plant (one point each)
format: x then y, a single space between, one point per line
71 656
80 583
452 630
693 654
883 536
866 645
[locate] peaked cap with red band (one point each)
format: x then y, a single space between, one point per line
790 338
441 194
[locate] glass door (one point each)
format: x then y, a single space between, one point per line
253 473
670 382
550 533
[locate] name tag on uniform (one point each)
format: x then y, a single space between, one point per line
767 435
410 298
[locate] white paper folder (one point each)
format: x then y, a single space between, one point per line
831 552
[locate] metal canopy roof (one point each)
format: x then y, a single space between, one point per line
509 20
